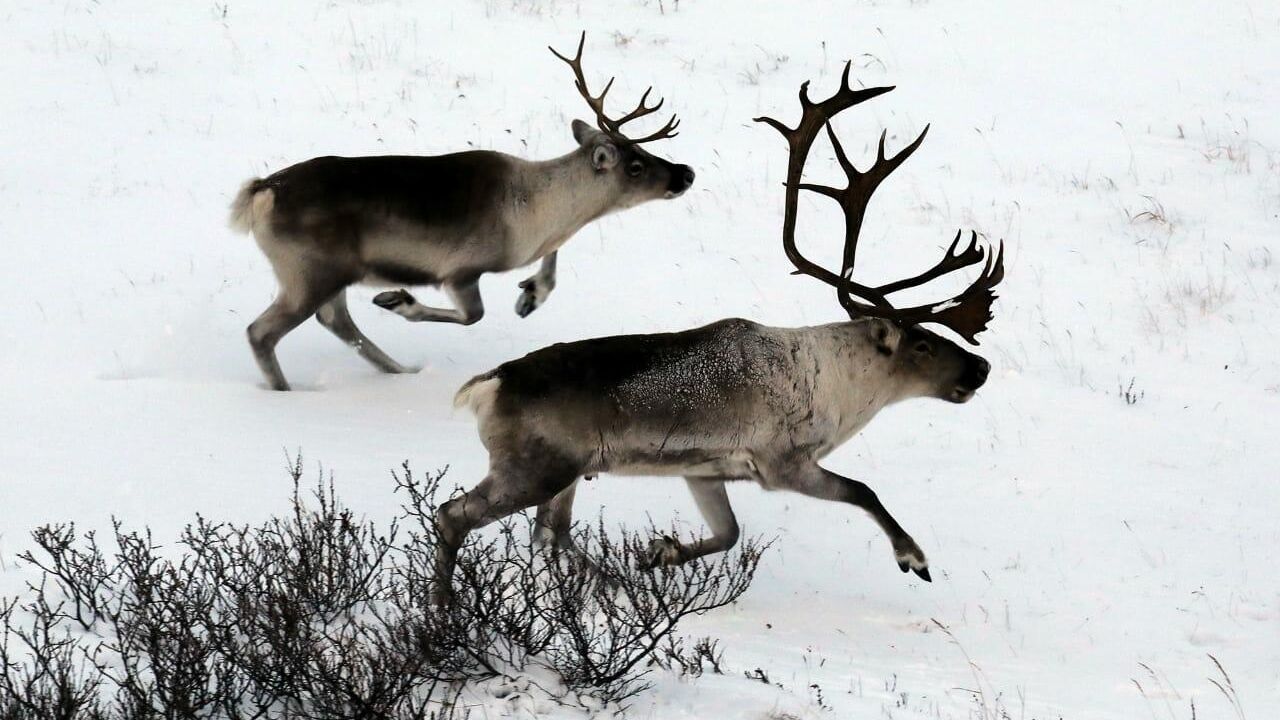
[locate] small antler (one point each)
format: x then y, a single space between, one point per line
967 313
613 127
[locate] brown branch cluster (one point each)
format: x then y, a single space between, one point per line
320 614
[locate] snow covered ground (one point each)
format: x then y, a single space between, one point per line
1127 153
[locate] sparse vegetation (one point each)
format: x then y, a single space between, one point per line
1154 214
1164 702
1129 394
988 703
320 614
691 660
1205 295
771 63
1235 145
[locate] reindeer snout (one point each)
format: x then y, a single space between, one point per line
971 378
681 179
977 375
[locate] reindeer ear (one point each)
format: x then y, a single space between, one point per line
604 156
584 133
886 336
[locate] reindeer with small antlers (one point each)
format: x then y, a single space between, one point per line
733 400
331 222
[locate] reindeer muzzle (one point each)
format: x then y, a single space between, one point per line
974 376
681 180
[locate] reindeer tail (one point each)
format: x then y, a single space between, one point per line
477 390
246 208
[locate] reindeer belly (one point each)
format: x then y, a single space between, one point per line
725 464
667 451
402 254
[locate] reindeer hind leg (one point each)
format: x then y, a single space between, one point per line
306 283
555 517
336 318
553 529
713 504
290 308
502 493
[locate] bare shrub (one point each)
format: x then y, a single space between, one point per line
691 660
588 612
321 614
45 674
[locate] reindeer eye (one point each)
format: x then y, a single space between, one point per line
923 348
635 168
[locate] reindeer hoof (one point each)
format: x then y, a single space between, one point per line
922 571
662 551
536 289
911 557
393 299
526 303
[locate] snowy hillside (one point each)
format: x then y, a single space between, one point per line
1102 516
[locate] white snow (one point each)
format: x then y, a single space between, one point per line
1127 153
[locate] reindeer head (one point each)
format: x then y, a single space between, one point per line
942 368
636 174
927 364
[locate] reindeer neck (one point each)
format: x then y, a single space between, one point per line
552 200
855 380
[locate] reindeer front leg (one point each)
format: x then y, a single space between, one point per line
465 295
806 477
537 287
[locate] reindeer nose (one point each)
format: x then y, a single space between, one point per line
681 177
981 369
680 180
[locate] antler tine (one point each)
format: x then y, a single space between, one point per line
863 183
576 65
776 125
840 155
813 116
596 103
607 124
576 62
967 313
951 261
805 102
666 131
885 166
853 222
853 200
857 195
640 110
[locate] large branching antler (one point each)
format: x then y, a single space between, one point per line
966 313
611 126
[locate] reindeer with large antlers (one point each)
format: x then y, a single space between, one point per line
730 401
331 222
